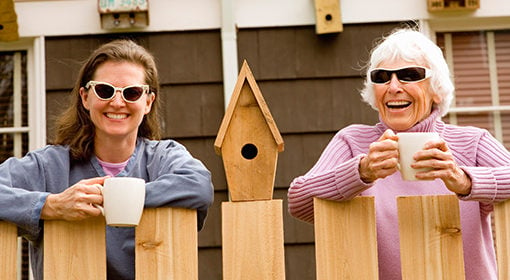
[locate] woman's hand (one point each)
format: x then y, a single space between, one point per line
75 203
382 158
437 155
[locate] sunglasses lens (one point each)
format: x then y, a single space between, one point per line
411 74
380 76
104 91
133 93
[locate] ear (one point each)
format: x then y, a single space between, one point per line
84 94
149 100
437 98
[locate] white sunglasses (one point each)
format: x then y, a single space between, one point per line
106 91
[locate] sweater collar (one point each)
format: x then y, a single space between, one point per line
426 125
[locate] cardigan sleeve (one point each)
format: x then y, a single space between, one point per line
335 176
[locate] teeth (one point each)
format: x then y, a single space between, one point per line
398 103
116 116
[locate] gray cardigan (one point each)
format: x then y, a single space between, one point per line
173 179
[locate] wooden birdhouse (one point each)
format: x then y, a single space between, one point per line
248 141
8 21
328 17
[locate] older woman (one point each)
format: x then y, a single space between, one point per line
408 83
111 128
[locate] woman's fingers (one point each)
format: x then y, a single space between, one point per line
382 158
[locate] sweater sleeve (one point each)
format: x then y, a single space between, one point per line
22 193
176 179
335 176
491 176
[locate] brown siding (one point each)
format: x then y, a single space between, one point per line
192 110
297 52
309 81
315 105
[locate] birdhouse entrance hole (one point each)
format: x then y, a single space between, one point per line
249 151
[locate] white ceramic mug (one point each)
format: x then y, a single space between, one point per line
123 201
408 144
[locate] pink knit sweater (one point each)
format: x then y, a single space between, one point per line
336 177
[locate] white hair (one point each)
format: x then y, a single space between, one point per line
414 47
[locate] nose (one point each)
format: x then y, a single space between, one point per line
117 98
394 84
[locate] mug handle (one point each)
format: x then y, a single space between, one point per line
100 187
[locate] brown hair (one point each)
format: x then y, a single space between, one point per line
74 126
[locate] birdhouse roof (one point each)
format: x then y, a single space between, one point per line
245 74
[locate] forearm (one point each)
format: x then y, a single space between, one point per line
338 183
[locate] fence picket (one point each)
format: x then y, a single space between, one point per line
8 247
502 227
75 250
252 239
167 244
430 237
346 239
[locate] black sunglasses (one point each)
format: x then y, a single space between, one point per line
106 91
409 74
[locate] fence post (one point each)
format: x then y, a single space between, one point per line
346 239
252 238
430 237
167 244
75 250
9 246
502 227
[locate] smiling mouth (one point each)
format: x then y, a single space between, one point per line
116 116
398 104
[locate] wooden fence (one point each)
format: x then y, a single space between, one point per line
165 247
166 243
429 231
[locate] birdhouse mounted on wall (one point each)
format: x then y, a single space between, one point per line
452 5
8 21
328 17
248 142
117 14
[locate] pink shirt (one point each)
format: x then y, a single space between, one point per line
112 169
335 176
